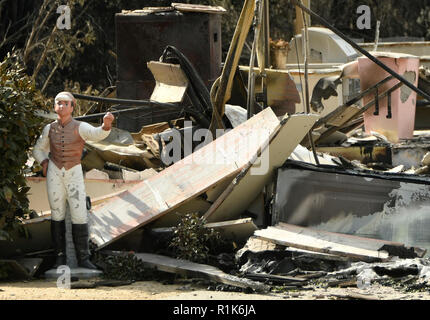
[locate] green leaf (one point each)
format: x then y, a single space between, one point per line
7 193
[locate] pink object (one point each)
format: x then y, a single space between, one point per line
403 100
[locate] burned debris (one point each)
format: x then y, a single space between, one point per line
215 180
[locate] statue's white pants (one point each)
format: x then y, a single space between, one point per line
66 186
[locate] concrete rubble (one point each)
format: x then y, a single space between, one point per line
300 200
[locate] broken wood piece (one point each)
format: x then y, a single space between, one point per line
426 159
191 269
355 296
296 281
149 10
311 240
317 255
259 171
344 283
181 182
170 82
254 245
422 170
392 248
198 8
236 230
397 169
96 174
197 205
138 175
308 275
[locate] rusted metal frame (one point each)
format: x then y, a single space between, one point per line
353 100
361 50
362 110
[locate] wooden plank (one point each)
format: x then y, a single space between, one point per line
297 281
318 255
171 219
38 196
191 269
393 248
170 82
198 8
251 181
345 114
236 230
304 238
182 181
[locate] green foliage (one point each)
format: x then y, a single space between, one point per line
126 267
19 128
192 240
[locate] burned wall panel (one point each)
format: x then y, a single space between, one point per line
381 206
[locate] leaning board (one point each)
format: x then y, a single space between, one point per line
182 181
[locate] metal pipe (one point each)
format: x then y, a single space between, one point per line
361 50
125 101
251 75
114 112
308 109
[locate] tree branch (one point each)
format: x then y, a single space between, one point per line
52 73
37 26
43 55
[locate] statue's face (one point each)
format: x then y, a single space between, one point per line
63 108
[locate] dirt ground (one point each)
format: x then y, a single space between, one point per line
152 290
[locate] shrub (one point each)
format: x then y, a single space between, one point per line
192 240
19 128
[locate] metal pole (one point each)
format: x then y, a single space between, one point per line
251 75
308 109
125 101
